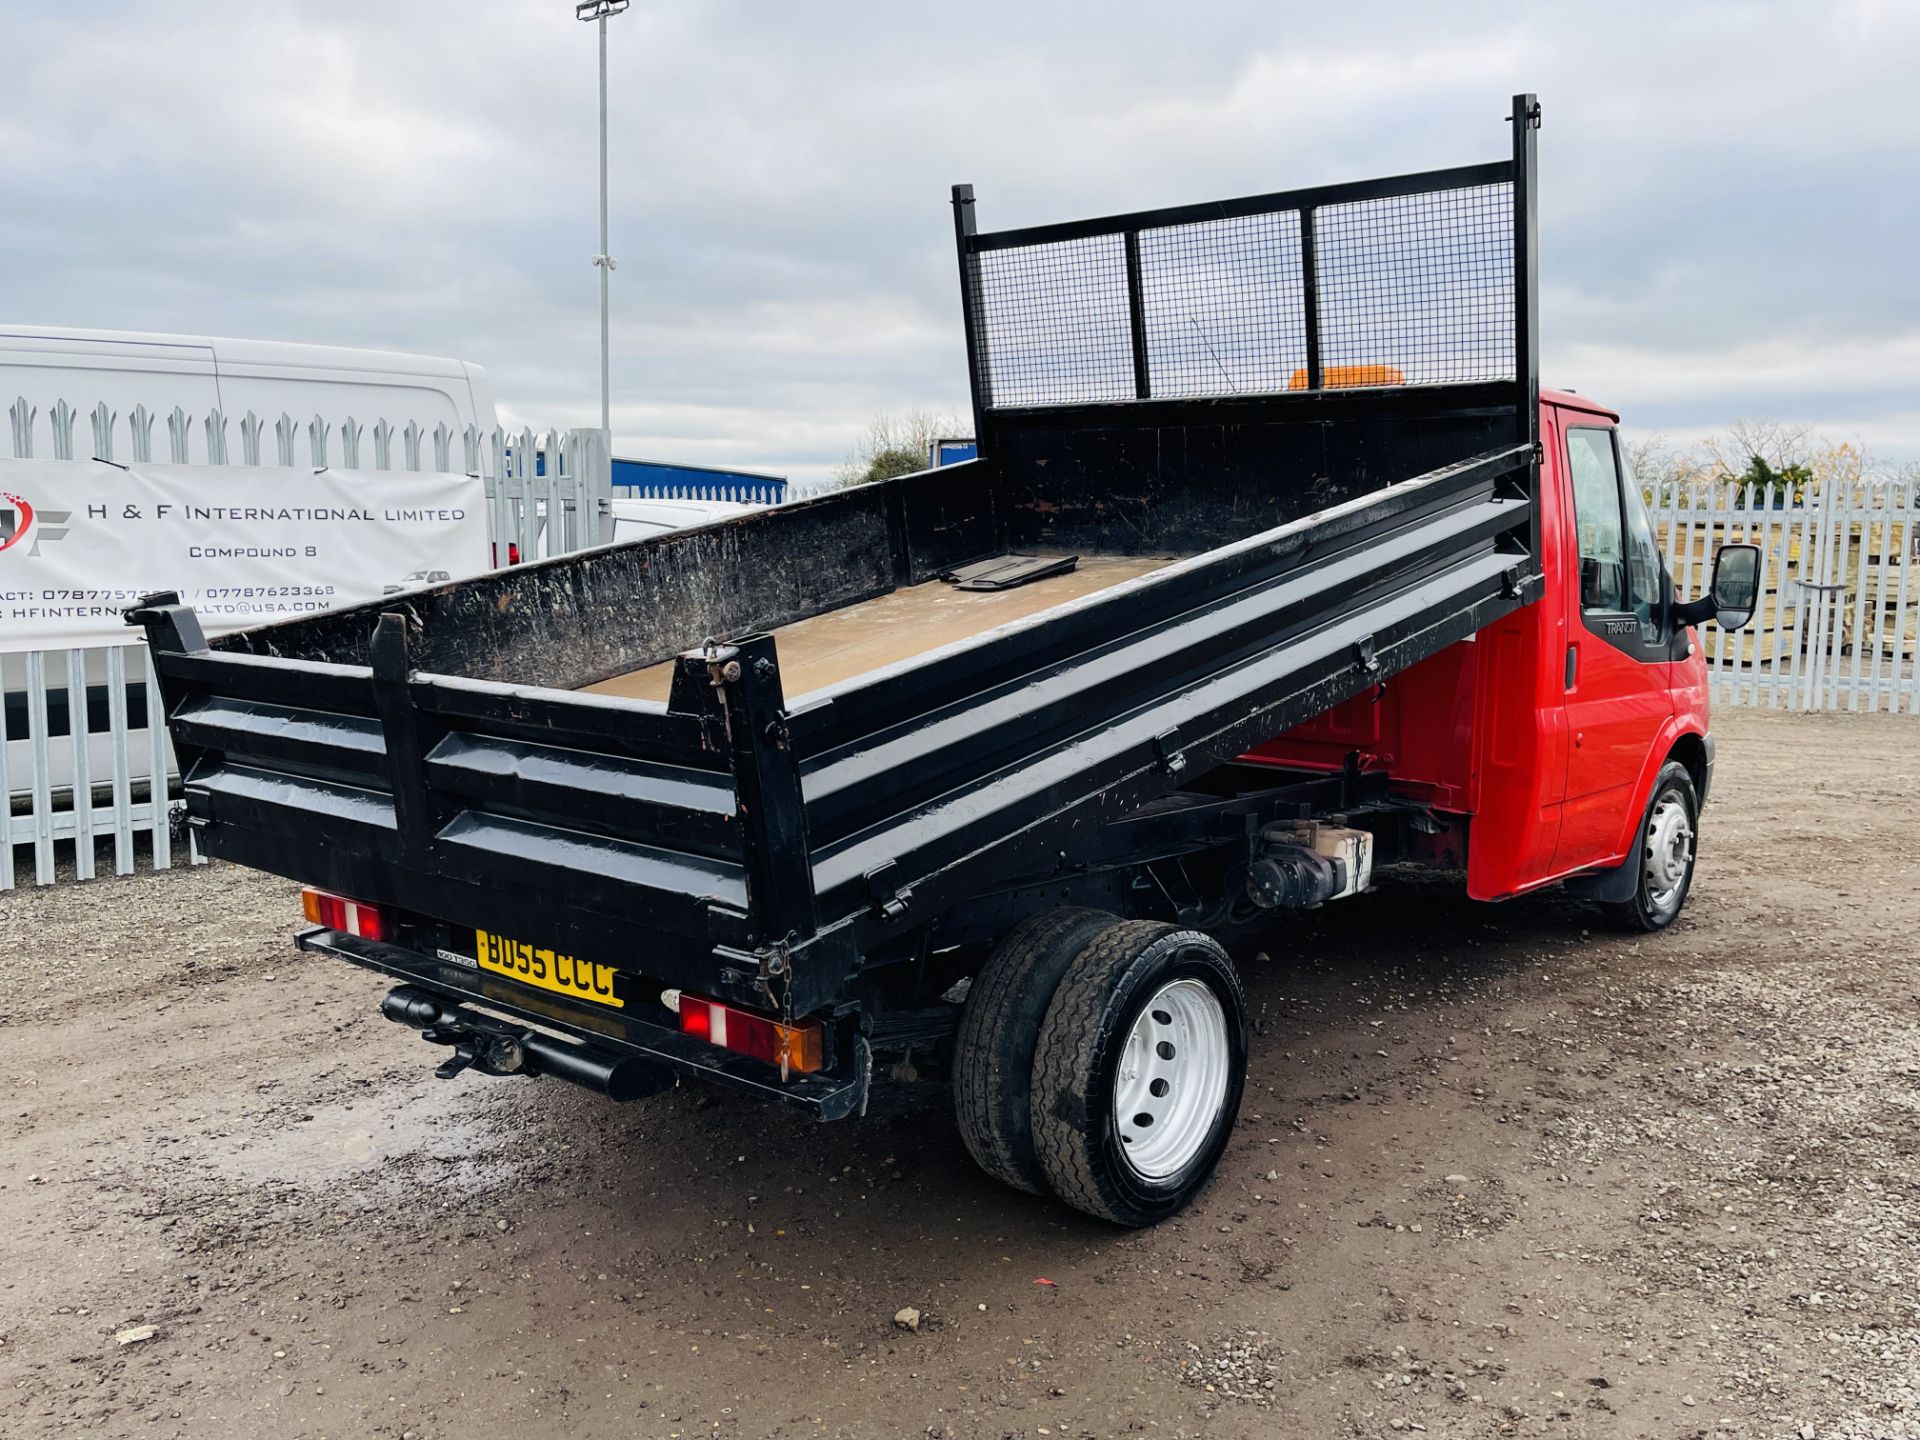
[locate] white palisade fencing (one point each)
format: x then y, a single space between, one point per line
81 761
1836 627
77 760
546 491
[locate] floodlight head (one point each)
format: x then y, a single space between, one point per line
598 9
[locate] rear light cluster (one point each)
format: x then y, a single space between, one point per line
792 1047
349 917
513 553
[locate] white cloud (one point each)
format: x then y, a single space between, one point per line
1729 192
1765 373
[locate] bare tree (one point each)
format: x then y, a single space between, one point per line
1782 446
1654 461
1847 463
895 445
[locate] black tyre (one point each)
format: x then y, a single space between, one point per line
1665 855
993 1054
1139 1070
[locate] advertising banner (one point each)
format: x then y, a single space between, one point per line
79 542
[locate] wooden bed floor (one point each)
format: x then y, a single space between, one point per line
826 649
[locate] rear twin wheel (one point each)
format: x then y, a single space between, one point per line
1137 1060
994 1052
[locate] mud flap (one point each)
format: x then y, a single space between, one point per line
1609 887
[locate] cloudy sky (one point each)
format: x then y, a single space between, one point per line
1730 193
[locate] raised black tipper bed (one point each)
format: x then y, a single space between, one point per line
1290 442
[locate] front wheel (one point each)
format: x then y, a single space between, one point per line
1138 1072
1665 855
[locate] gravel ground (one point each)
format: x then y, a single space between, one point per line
1495 1176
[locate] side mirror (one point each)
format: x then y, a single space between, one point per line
1735 592
1736 585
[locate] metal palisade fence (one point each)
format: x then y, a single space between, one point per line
523 488
1836 627
83 759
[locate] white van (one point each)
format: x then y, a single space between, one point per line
640 519
47 364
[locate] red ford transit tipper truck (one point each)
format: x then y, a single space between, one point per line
1275 568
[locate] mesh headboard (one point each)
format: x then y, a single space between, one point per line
1172 377
1410 280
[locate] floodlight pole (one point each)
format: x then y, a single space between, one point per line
605 261
600 11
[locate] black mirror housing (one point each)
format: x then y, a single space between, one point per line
1735 593
1736 585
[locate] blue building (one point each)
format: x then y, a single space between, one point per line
951 452
662 480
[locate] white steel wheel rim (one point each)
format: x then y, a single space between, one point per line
1669 852
1172 1079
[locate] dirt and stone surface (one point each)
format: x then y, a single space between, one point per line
1500 1173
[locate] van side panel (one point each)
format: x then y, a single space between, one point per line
271 378
1520 721
366 385
480 396
48 366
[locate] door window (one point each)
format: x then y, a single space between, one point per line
1596 513
1646 575
1620 569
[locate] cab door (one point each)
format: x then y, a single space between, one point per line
1619 696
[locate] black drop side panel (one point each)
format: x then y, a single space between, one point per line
575 619
1185 477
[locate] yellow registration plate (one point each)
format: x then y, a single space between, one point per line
548 969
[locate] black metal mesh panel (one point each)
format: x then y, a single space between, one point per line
1419 283
1224 305
1053 322
1412 289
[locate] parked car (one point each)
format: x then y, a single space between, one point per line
416 577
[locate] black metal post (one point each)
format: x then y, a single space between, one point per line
979 383
1526 290
767 781
171 629
1137 319
1310 296
414 812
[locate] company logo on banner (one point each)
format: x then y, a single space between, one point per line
21 524
80 543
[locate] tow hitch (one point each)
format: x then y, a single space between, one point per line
497 1047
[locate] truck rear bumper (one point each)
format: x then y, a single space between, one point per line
617 1055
